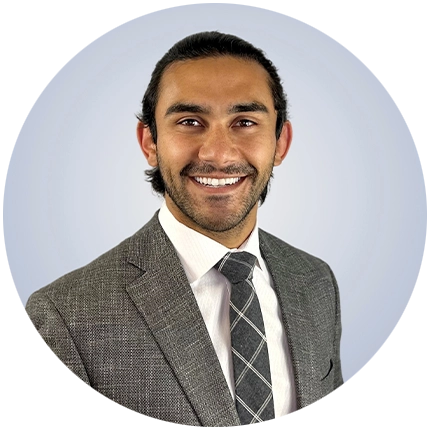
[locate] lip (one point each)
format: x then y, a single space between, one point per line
219 189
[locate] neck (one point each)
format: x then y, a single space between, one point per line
232 238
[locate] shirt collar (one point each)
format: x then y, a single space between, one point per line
197 252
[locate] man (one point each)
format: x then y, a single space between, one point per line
201 318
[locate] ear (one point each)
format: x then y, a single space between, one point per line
146 143
283 143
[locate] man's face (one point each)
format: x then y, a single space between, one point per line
216 144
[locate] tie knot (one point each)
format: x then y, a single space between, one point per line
237 266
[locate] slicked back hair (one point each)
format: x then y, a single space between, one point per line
205 45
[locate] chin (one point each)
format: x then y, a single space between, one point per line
220 223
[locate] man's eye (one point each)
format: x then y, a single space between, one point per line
244 123
190 122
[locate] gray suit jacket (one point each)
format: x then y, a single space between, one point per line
128 324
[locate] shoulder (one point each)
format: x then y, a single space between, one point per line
298 260
85 284
109 272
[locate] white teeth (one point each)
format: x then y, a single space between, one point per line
214 182
231 181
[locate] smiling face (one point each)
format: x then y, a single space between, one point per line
216 144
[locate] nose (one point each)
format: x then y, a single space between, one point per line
218 147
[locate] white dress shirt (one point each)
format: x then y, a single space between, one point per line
198 255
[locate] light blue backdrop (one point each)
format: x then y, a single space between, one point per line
351 190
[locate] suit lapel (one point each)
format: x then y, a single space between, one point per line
164 297
290 285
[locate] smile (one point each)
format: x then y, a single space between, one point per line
216 182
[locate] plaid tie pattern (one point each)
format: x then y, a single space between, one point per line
253 385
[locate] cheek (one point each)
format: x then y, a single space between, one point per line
174 154
260 154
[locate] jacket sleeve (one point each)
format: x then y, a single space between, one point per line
44 319
42 316
338 380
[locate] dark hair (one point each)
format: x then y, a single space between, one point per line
203 45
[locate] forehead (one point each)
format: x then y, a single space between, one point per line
215 81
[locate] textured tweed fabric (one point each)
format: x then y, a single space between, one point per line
129 326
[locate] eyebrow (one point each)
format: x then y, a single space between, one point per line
195 108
